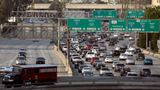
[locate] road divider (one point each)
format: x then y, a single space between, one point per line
63 59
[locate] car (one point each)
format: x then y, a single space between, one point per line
116 53
145 72
129 52
124 71
111 44
122 56
35 41
81 66
103 70
120 38
40 60
131 38
90 55
51 41
126 35
96 62
148 61
114 64
130 60
77 63
93 60
138 50
108 74
107 39
118 67
102 53
117 48
132 74
140 56
22 53
132 49
23 49
84 69
99 65
72 52
21 60
64 48
87 73
76 58
108 59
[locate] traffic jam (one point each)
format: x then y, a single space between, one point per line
105 54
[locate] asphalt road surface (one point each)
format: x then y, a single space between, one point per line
42 48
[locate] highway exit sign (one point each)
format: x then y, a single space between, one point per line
135 13
117 25
104 14
144 25
84 25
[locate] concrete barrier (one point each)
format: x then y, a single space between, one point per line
63 60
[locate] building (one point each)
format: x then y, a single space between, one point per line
156 2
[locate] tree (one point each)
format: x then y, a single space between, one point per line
5 10
6 6
58 6
150 13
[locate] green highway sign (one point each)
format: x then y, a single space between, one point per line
84 25
152 26
135 25
104 14
144 25
117 25
135 13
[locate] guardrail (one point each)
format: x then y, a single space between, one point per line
103 83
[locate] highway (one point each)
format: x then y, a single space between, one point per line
155 68
9 49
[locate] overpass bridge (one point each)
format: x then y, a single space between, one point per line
92 6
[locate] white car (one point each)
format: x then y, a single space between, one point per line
132 74
126 35
132 49
129 52
86 69
95 51
87 73
131 38
122 56
130 60
64 48
103 70
76 58
108 59
117 48
90 55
